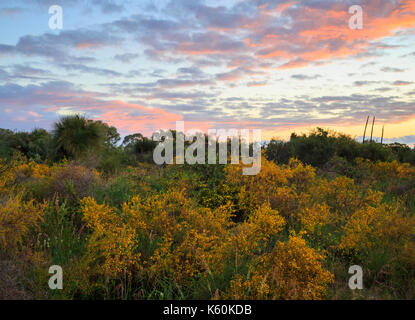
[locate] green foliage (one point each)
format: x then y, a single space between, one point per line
124 228
112 160
61 232
116 191
321 147
74 135
402 152
140 147
279 151
316 149
375 152
34 145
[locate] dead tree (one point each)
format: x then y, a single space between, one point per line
383 130
371 133
364 133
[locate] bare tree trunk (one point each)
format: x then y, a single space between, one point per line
364 133
383 130
373 124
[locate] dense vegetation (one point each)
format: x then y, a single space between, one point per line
122 227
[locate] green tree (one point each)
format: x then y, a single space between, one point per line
316 149
74 135
112 137
138 145
34 145
278 151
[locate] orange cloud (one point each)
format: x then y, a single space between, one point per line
86 45
317 34
130 118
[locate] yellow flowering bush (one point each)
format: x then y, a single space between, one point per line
277 185
388 169
248 239
291 270
41 181
313 218
169 232
112 239
186 236
382 227
299 175
16 218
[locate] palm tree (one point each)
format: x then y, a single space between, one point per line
73 135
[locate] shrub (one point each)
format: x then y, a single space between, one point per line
315 149
375 152
16 219
290 271
278 151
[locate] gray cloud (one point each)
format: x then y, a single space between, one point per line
126 57
85 69
109 6
56 46
11 11
389 69
305 77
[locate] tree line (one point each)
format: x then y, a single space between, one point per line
97 144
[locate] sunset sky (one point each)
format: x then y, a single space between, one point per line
280 66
